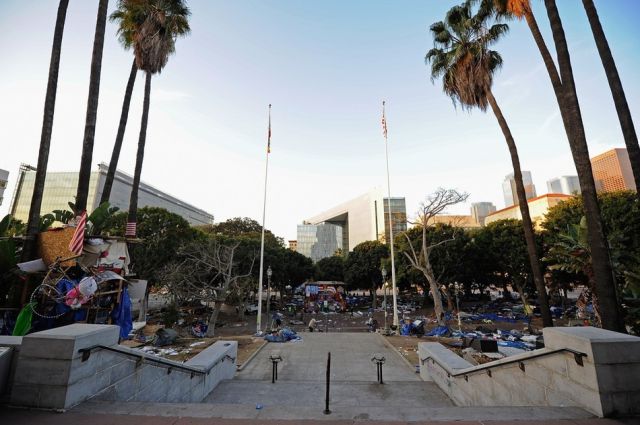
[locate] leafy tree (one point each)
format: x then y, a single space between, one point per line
466 64
363 264
33 223
163 234
92 109
242 227
330 268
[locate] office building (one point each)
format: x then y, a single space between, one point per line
480 210
318 241
538 207
464 221
365 218
293 245
509 188
612 171
60 189
4 179
569 185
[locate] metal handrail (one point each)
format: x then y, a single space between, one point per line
577 356
86 353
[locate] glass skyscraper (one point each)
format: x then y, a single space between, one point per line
318 241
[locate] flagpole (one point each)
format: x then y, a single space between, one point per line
393 266
264 209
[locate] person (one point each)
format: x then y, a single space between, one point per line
312 324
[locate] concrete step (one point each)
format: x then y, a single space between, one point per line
312 393
315 412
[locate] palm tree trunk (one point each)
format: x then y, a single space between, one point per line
527 225
133 201
28 252
619 98
92 109
603 273
117 146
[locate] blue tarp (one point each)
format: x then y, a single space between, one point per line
122 314
439 331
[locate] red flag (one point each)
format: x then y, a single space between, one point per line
77 241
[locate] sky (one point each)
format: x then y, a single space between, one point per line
325 67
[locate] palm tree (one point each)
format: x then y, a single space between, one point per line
612 318
117 146
462 58
92 109
619 98
45 138
153 27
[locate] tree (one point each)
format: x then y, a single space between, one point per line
617 91
92 109
124 115
154 26
207 271
568 100
362 267
33 222
242 226
420 257
466 64
330 268
163 232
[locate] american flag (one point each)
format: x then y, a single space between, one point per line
131 229
77 241
269 132
384 122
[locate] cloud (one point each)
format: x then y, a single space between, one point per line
163 95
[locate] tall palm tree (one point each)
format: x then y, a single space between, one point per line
612 318
462 58
619 98
153 27
92 109
574 127
33 222
117 146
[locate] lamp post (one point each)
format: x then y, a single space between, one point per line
456 288
269 273
385 285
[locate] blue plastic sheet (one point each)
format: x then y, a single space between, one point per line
439 331
122 314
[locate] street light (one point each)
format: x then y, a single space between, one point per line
385 285
269 273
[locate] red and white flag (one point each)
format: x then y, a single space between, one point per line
130 230
77 241
269 132
384 122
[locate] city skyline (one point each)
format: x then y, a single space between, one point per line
209 107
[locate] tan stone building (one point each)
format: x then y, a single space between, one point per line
293 245
464 221
612 171
538 207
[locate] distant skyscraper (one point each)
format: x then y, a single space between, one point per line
480 210
318 241
569 185
293 245
612 171
509 188
4 178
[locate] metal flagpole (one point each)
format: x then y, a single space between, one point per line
393 266
264 209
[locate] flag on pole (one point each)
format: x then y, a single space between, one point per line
77 241
269 132
130 230
384 122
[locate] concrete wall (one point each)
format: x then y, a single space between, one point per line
606 384
13 343
50 372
